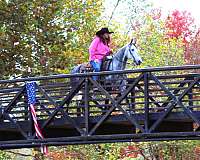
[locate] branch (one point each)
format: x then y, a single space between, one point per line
113 12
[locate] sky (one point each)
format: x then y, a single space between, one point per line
192 6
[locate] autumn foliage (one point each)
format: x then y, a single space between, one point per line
156 13
63 155
130 151
192 51
179 25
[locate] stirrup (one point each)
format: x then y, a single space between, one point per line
109 57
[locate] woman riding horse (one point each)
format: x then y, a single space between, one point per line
118 62
99 48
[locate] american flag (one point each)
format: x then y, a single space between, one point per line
31 92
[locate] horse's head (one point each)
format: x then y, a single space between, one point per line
132 52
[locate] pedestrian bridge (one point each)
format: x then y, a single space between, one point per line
133 105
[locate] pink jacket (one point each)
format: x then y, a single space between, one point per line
98 49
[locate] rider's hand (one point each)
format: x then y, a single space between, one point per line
96 61
109 57
109 53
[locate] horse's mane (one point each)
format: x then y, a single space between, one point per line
120 51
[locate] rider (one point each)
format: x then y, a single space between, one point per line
99 48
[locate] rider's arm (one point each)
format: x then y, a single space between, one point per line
93 46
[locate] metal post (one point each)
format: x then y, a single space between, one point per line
1 113
190 98
146 101
86 92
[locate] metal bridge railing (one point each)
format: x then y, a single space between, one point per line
142 104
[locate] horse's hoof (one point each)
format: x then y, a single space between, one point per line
95 89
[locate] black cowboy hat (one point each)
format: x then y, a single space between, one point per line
102 31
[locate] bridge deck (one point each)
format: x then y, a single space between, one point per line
132 105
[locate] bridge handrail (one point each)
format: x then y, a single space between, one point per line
153 103
141 70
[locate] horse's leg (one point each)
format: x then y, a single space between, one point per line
132 101
80 103
82 108
105 108
129 101
106 104
78 109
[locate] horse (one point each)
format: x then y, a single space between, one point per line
117 61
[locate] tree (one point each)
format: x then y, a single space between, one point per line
41 35
84 23
192 51
155 47
126 12
162 42
179 25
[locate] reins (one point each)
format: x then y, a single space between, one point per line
117 58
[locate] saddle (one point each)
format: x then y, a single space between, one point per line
106 63
86 67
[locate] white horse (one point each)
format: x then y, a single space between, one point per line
118 61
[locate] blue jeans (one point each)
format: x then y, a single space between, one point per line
97 67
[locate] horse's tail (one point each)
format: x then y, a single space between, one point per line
76 69
74 80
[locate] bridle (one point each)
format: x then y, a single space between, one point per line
129 49
131 52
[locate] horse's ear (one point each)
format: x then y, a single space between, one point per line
133 41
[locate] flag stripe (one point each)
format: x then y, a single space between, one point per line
31 92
